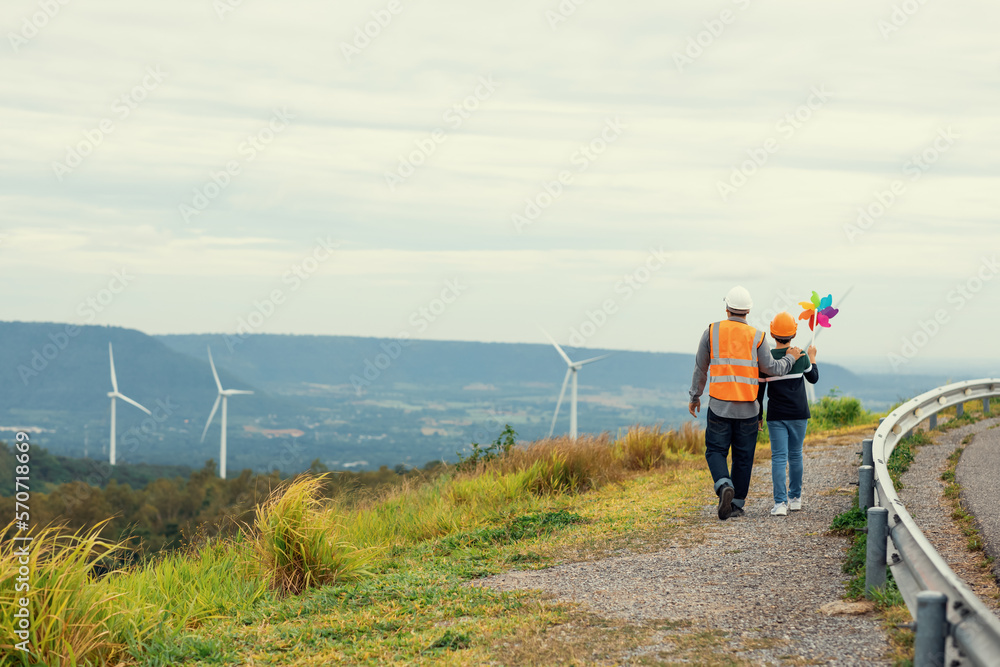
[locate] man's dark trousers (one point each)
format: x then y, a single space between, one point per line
740 434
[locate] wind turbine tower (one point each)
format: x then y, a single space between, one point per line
114 395
572 369
223 397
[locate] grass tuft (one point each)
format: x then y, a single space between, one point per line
300 544
72 616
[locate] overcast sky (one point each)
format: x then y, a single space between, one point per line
700 145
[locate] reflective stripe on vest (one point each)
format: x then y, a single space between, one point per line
733 374
794 376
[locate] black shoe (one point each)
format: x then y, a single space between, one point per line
726 502
736 511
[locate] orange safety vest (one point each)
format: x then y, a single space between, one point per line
732 373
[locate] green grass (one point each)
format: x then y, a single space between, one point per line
851 522
180 591
528 526
417 607
369 577
903 455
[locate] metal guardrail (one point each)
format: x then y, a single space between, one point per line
970 632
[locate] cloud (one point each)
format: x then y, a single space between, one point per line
658 184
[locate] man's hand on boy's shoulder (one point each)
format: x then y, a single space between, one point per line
794 353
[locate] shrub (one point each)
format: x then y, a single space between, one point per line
300 544
837 412
496 450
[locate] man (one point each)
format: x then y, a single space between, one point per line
730 357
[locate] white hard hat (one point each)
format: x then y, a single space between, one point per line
738 300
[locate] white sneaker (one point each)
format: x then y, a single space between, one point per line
780 509
795 504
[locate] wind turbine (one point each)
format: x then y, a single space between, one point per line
223 396
114 395
573 367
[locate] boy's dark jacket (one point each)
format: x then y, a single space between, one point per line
786 395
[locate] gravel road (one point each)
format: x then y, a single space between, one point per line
761 579
978 472
923 490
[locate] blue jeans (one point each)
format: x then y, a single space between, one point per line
739 434
786 448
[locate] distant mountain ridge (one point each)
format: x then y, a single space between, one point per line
271 360
348 401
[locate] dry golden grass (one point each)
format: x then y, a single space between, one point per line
562 465
649 447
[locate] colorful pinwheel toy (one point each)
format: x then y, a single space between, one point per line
818 311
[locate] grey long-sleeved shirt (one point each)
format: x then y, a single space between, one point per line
734 409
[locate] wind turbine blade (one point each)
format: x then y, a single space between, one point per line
846 294
214 372
569 371
234 392
558 349
129 400
114 378
837 305
590 361
211 416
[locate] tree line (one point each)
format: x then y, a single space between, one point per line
165 512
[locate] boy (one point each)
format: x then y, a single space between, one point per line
787 415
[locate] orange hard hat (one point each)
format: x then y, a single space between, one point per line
784 326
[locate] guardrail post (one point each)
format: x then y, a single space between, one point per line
875 561
960 409
866 487
986 405
866 453
932 629
932 422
